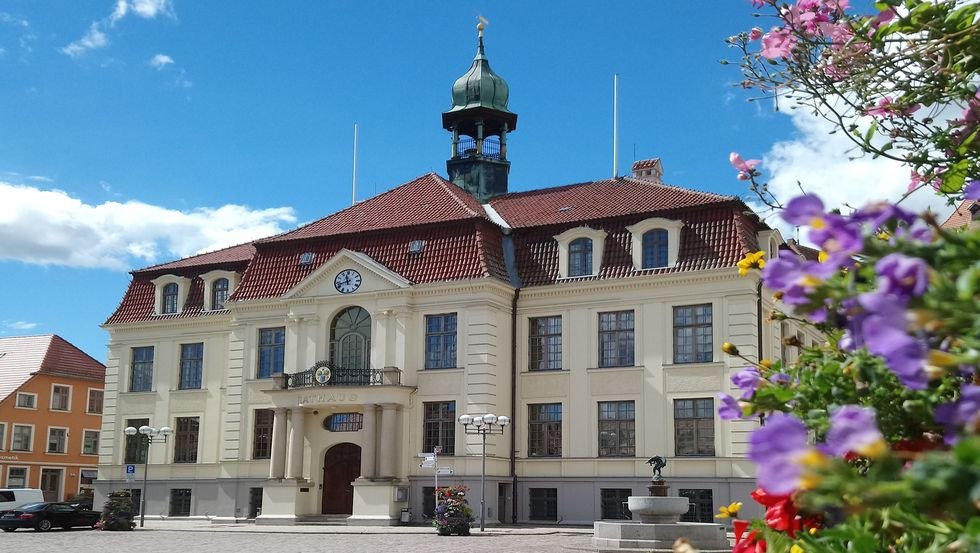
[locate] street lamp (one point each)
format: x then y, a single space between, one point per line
149 435
483 425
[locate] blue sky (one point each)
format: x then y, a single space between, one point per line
134 132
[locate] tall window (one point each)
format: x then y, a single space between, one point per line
135 450
440 341
60 397
170 298
702 507
191 364
95 400
655 248
439 426
262 434
543 503
616 339
272 351
17 477
694 427
544 430
90 442
614 503
57 440
3 435
350 340
617 429
580 257
544 344
141 372
219 293
180 502
185 440
21 438
692 334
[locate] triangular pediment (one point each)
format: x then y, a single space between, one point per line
374 277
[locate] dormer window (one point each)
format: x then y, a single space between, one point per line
219 293
170 298
580 252
218 287
171 293
655 248
580 257
656 243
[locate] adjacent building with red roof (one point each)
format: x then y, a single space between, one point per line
303 373
51 398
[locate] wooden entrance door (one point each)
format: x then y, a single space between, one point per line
341 465
51 484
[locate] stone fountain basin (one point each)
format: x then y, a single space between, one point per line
657 510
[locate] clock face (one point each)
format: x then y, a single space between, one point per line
347 281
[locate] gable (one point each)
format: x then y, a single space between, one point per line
322 282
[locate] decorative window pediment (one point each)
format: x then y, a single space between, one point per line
580 252
171 294
770 240
656 242
218 286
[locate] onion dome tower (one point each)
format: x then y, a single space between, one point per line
479 121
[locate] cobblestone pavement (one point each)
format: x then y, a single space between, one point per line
194 537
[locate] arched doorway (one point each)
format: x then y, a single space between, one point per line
341 465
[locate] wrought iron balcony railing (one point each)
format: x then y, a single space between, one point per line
325 373
466 147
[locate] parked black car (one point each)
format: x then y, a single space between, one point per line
45 516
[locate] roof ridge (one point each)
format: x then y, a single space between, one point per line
209 252
73 346
448 186
676 187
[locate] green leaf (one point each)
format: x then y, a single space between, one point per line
954 179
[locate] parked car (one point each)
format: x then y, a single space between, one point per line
12 497
45 516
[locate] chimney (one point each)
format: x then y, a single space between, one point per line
648 169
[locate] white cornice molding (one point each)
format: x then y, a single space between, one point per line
635 282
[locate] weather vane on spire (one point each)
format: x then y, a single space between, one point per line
482 24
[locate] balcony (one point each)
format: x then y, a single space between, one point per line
325 374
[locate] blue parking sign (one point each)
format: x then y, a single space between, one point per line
130 469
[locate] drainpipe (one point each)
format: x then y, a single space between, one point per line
513 406
758 320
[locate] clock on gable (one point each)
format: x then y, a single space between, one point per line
347 281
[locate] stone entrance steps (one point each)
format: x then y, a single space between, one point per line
322 520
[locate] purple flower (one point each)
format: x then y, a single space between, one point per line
746 380
972 190
779 378
883 333
804 211
728 408
879 213
853 428
795 277
839 237
775 449
902 276
964 412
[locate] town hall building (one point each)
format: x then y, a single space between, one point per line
301 375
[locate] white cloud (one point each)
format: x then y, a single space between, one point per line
821 164
149 9
13 20
93 40
19 325
160 61
119 235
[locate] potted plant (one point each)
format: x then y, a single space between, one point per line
453 514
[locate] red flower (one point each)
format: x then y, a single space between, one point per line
751 544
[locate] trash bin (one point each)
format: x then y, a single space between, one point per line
406 516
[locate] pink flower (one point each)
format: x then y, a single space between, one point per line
777 43
887 107
755 33
745 167
758 3
883 17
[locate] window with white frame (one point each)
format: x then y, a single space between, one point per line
191 366
3 436
616 341
171 293
60 397
219 293
90 442
21 437
141 370
57 440
544 343
655 243
96 398
218 286
440 341
26 400
693 334
16 477
694 427
580 252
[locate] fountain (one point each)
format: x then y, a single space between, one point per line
658 526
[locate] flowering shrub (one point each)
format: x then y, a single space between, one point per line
453 514
870 442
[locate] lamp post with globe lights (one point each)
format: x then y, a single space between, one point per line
483 425
147 435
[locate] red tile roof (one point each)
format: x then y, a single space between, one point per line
596 200
646 164
20 356
241 254
961 216
425 200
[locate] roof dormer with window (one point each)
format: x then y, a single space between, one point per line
580 252
171 294
656 242
770 240
218 286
